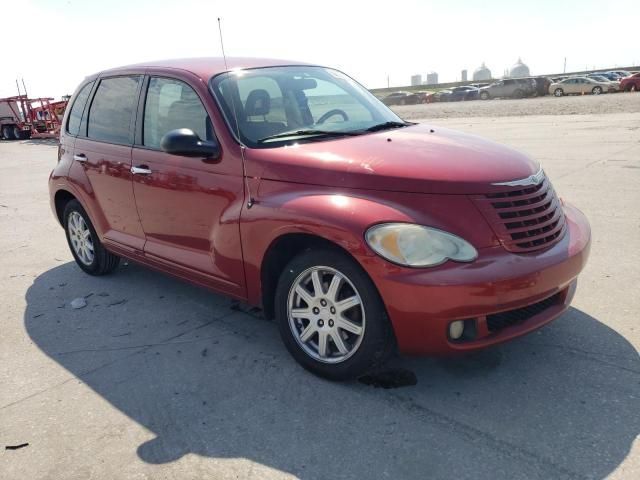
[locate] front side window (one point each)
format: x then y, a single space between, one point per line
310 103
172 104
112 109
75 114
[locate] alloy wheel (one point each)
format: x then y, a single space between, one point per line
326 314
80 236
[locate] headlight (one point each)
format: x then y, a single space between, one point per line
418 246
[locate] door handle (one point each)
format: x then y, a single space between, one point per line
141 170
80 157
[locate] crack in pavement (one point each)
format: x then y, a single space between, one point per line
593 356
476 435
590 164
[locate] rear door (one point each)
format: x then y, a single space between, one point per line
103 151
189 206
72 125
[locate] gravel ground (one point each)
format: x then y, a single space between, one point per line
157 379
572 105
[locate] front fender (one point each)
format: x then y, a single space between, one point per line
342 217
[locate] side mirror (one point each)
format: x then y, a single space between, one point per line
186 142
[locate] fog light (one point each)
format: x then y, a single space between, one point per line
456 329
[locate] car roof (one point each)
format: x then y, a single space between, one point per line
206 67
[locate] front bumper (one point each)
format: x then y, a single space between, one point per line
422 302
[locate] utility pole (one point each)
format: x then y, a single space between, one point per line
565 65
387 81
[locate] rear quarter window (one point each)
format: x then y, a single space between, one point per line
75 114
112 109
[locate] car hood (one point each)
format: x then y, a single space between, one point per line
417 158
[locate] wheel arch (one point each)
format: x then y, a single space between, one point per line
279 252
60 200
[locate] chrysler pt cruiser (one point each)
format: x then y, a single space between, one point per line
291 187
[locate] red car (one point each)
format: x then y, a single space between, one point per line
291 187
631 83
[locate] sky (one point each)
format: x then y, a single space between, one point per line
56 43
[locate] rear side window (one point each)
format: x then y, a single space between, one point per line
172 104
112 109
75 114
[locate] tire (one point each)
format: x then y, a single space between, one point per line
596 90
7 132
20 134
368 341
403 102
518 93
558 92
633 87
96 262
484 96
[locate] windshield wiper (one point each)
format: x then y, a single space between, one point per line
386 125
302 133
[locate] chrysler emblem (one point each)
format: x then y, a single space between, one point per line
534 179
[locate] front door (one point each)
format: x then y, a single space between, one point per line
189 207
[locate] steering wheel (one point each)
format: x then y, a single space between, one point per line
331 113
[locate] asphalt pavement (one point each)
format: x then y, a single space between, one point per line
155 378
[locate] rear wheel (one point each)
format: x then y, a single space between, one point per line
330 315
518 93
596 90
7 132
84 243
558 92
633 87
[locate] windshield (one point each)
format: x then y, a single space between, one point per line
312 103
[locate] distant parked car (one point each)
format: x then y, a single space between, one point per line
407 98
508 88
631 83
602 78
479 85
622 73
580 85
423 97
456 94
613 76
540 85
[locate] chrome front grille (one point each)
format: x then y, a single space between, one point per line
525 218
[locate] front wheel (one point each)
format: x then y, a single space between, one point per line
86 248
484 96
596 90
330 316
558 92
20 134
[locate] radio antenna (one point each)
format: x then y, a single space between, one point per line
251 200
